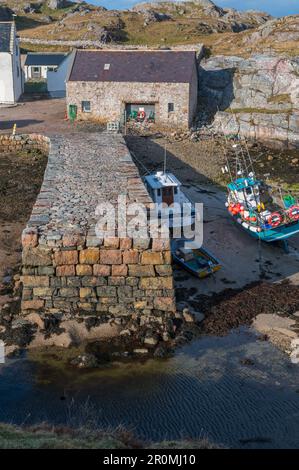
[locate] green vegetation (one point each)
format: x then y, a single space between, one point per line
35 87
280 99
45 436
258 111
26 47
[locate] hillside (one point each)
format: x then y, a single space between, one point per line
162 23
277 35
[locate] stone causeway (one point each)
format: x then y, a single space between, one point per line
67 269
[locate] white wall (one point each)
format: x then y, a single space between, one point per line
6 79
17 72
56 80
29 72
11 82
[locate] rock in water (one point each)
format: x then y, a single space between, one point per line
85 361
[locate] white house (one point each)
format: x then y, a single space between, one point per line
11 79
37 65
57 78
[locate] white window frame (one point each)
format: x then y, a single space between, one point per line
83 106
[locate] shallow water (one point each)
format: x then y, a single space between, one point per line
204 391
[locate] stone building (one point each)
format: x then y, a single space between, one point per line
11 80
113 85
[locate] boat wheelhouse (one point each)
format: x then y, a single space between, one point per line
165 189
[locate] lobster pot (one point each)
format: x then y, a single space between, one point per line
135 110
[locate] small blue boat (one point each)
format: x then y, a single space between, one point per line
198 261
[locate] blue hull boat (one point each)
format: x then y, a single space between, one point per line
262 214
272 234
266 213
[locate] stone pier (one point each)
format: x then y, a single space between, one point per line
67 270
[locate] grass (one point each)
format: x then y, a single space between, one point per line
45 436
280 99
26 47
258 111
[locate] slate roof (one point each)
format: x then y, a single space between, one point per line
5 36
133 66
51 60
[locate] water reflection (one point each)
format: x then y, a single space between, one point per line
236 390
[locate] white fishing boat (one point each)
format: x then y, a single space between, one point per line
165 189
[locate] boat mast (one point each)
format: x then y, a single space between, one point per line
165 158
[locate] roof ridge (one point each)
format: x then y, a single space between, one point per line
136 50
47 53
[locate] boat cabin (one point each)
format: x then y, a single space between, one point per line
246 191
165 188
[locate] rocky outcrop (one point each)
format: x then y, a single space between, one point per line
211 18
278 30
57 4
277 130
257 97
186 21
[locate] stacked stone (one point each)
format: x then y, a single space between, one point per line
18 143
85 274
67 269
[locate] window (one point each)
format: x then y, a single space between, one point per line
159 192
18 71
86 107
170 107
175 190
36 72
17 50
52 69
107 67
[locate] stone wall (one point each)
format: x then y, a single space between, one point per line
18 143
108 99
68 272
82 274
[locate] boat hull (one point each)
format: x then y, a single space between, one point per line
195 271
283 232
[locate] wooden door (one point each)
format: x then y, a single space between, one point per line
167 195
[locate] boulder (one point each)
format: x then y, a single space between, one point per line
188 316
57 4
85 361
29 8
